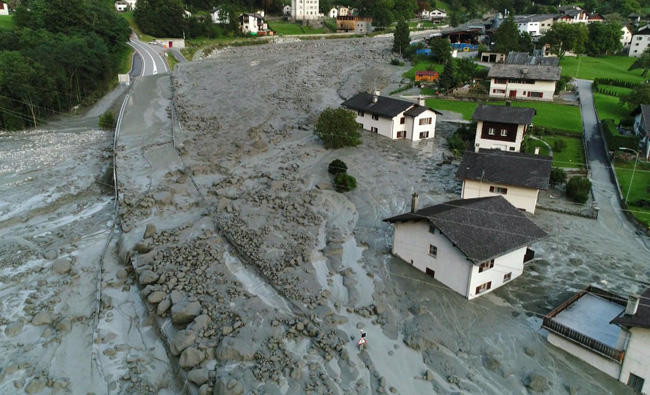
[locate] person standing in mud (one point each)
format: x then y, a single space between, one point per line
362 343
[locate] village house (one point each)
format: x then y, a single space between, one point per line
424 14
635 19
626 37
437 15
516 176
121 6
532 82
355 24
333 13
572 14
501 127
304 10
393 118
426 76
535 24
595 17
493 57
472 246
219 16
4 8
640 41
131 4
286 10
607 332
641 128
252 24
524 58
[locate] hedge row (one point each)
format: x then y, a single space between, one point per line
608 92
611 81
614 140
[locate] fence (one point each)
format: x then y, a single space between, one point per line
583 340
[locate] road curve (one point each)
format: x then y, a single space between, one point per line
153 61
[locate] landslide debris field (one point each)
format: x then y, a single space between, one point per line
258 276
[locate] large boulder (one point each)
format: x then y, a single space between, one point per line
149 231
181 341
148 277
191 357
228 387
198 376
61 266
184 312
42 318
537 383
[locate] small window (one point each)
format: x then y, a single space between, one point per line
500 190
375 117
483 287
424 135
374 129
504 133
433 250
512 148
486 266
360 113
432 229
402 120
507 277
401 135
425 121
635 382
535 94
491 131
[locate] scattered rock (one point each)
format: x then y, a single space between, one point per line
491 363
191 357
529 351
42 318
61 266
232 387
36 385
64 325
163 306
226 330
200 322
182 340
156 297
198 376
428 375
122 274
13 329
149 231
50 254
205 389
537 383
148 277
184 312
142 248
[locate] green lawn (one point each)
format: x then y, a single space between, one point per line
549 115
571 156
423 65
609 107
6 22
287 29
125 60
171 61
640 187
128 15
589 68
621 90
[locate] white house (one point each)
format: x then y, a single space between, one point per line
286 10
424 14
533 82
344 11
642 128
219 16
302 10
516 176
333 13
472 246
626 37
501 127
600 328
572 14
535 24
131 3
252 23
640 41
437 15
4 8
393 118
121 6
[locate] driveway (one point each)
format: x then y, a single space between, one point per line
611 214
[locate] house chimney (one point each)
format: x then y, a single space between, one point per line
632 304
536 150
414 202
375 96
421 101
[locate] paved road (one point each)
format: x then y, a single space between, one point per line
152 58
611 214
177 54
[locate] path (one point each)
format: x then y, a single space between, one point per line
611 214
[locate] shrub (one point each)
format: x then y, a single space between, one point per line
558 176
337 166
559 145
107 120
615 140
337 127
396 62
578 189
344 182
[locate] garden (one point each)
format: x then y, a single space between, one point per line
639 197
568 152
590 68
6 22
285 28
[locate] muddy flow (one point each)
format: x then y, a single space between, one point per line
236 268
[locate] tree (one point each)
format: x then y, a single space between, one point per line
604 39
401 39
344 182
337 166
563 37
440 49
642 62
506 37
558 176
466 70
337 127
448 77
161 18
639 95
578 189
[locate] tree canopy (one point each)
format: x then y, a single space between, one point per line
337 127
401 39
563 37
508 38
639 95
604 39
642 62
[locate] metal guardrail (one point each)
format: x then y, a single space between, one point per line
583 340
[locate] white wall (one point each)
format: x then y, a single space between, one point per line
498 144
411 242
547 88
637 357
522 198
304 9
384 125
639 44
416 128
531 28
601 363
512 262
626 37
389 127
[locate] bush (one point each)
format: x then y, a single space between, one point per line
578 189
344 182
558 176
462 139
396 62
337 127
614 140
107 120
559 145
337 166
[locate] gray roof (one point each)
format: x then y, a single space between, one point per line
643 30
644 109
530 72
508 168
504 114
533 18
481 228
641 318
525 58
418 109
385 106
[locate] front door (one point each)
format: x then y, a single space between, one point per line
513 94
635 382
170 44
431 273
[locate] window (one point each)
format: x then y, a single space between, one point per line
360 113
504 133
500 190
483 287
373 129
491 131
425 121
424 135
375 117
635 382
485 266
402 120
431 273
512 148
401 135
535 94
433 250
500 81
507 277
432 229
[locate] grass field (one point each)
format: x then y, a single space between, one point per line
572 156
125 60
549 115
640 187
6 22
288 29
609 107
423 65
129 17
620 90
171 61
589 68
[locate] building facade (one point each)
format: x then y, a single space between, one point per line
524 82
393 118
252 23
626 37
345 24
640 41
501 127
642 129
304 10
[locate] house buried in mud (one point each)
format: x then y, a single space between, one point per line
473 246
